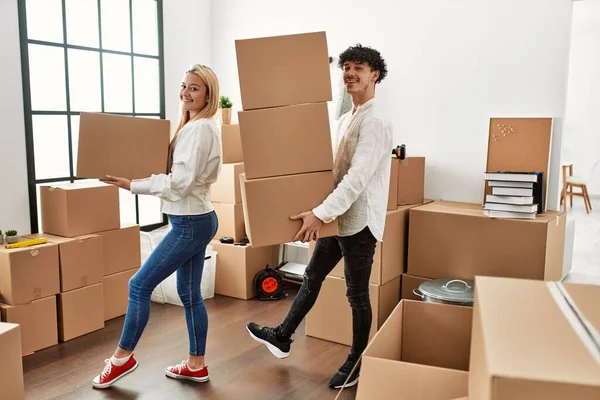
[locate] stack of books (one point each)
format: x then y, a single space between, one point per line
514 195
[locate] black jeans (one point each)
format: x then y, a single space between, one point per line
358 251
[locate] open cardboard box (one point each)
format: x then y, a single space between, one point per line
529 341
420 353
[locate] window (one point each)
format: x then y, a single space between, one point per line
94 56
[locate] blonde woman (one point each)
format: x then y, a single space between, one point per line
194 164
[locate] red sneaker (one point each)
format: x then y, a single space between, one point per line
182 371
112 373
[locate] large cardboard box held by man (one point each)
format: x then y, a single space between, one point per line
28 273
11 378
38 321
80 259
286 140
80 208
456 240
270 202
283 70
534 340
331 316
420 353
237 265
117 145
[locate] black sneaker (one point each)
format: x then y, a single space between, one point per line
268 337
338 381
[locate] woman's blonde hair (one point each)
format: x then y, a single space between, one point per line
210 109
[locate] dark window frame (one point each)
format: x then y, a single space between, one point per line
29 113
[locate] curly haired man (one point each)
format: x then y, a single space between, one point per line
358 204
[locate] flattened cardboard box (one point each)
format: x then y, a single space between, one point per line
11 379
531 345
121 249
38 321
116 293
75 209
28 273
270 202
420 353
80 311
286 140
232 144
411 180
80 260
238 265
227 188
273 70
331 316
390 257
117 145
231 221
455 240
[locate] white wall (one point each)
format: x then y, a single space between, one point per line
14 195
582 123
452 65
187 41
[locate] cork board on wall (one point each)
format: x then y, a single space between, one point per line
519 144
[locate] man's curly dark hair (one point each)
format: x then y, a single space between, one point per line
366 55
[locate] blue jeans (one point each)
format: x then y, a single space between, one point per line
182 250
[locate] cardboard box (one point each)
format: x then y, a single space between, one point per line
231 221
270 202
283 70
411 180
75 209
28 273
238 265
286 140
529 343
80 260
11 379
38 323
121 249
118 145
455 240
116 293
331 316
232 144
410 283
393 192
390 257
420 353
227 188
80 311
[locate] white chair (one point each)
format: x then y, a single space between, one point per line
580 181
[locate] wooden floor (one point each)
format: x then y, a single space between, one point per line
239 367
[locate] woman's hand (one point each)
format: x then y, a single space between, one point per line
123 183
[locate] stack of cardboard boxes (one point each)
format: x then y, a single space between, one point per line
71 285
226 196
238 263
331 316
285 85
450 240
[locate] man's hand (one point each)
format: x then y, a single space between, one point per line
310 226
123 183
